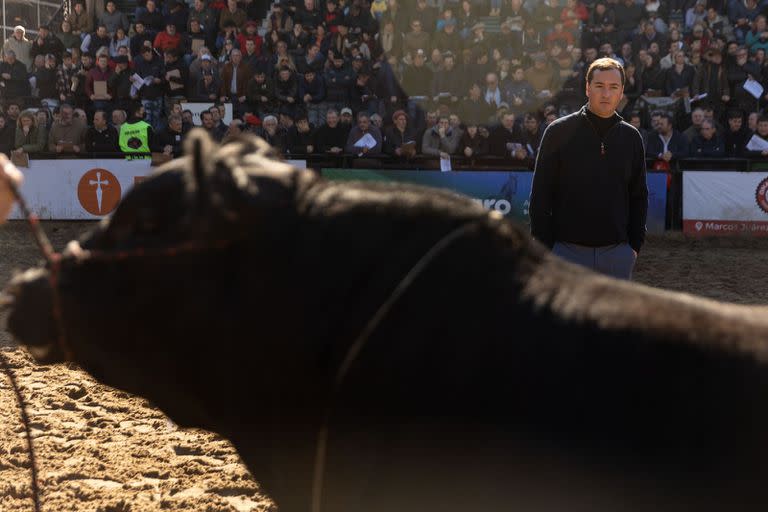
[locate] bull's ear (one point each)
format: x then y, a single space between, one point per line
199 146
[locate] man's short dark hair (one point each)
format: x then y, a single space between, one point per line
666 115
605 64
735 114
763 118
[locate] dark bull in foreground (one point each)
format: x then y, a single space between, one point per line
501 379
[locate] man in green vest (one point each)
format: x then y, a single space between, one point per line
136 135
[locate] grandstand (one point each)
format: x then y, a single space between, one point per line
499 71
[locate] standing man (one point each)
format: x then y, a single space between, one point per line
589 198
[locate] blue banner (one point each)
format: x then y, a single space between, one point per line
507 192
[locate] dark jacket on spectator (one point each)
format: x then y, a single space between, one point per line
450 81
155 69
167 137
279 140
703 148
394 138
298 141
18 85
153 21
316 89
46 83
97 42
327 137
338 83
8 140
500 136
678 145
203 92
478 144
286 89
120 85
50 44
101 142
137 42
96 74
674 81
256 90
183 70
736 142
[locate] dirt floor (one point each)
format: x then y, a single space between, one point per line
103 450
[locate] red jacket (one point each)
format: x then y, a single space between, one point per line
165 41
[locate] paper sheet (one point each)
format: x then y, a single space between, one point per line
366 141
445 164
757 143
754 88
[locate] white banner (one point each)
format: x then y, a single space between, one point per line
197 108
83 189
78 189
723 203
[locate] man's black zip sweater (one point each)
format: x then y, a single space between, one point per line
589 185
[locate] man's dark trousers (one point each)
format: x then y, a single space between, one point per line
614 260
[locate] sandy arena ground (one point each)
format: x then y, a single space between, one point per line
103 450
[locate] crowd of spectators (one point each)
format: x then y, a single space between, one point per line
385 77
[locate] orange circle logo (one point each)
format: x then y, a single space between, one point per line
99 191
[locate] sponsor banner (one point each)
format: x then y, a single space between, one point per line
78 189
83 189
725 203
504 191
197 108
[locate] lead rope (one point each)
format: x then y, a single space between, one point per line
357 347
47 249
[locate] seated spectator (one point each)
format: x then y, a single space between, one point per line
118 118
220 128
300 141
119 40
67 133
169 140
473 144
140 39
46 82
312 94
152 18
20 46
400 138
441 140
81 20
176 75
697 116
737 135
762 133
533 131
97 40
358 132
332 136
113 19
234 79
260 94
13 76
708 143
286 89
506 140
273 134
99 73
45 43
30 138
234 15
679 78
168 39
120 83
667 143
101 138
67 38
448 82
178 15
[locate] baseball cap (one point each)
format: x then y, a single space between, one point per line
206 57
346 110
